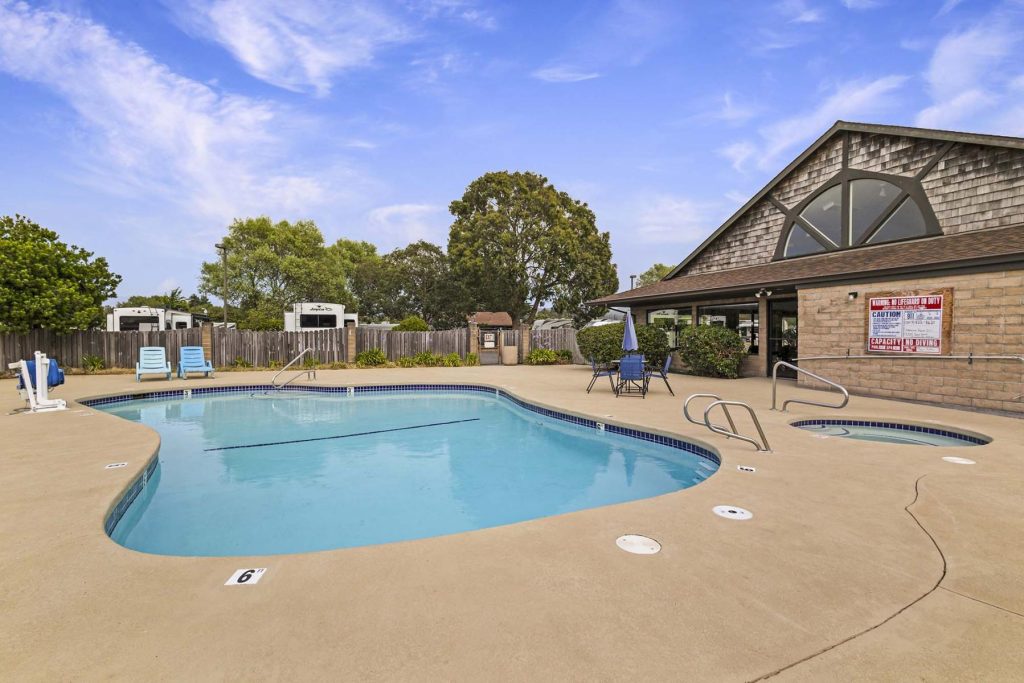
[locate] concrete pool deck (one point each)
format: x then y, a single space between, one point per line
863 560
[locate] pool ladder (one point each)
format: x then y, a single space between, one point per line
730 431
278 386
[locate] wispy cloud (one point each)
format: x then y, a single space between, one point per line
948 6
738 153
727 108
864 4
852 100
673 219
800 12
970 76
622 36
467 11
563 74
151 132
299 45
399 224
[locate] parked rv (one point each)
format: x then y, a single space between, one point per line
310 316
148 319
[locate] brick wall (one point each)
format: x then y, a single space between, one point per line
988 318
971 188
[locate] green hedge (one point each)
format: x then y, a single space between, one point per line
712 351
604 343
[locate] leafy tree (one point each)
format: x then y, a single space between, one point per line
412 323
415 280
272 265
517 243
46 283
653 274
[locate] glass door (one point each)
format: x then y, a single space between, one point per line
782 335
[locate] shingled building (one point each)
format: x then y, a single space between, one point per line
885 243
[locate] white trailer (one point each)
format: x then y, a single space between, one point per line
149 319
308 316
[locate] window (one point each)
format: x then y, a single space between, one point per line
671 320
856 208
313 321
741 318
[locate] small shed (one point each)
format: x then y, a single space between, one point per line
491 320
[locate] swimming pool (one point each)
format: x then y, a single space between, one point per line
304 471
889 432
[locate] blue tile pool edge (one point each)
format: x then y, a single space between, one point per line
139 483
888 424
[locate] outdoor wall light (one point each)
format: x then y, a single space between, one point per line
762 292
851 296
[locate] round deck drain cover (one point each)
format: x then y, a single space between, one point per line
732 512
638 545
958 461
746 468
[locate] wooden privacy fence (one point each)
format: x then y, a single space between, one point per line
259 348
398 344
557 340
265 348
117 349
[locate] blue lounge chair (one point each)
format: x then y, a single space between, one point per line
152 361
632 378
192 359
662 373
602 371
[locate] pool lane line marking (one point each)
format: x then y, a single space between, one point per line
340 436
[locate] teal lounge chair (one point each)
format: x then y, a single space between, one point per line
152 361
192 359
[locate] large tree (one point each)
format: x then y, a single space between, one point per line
46 283
272 265
415 280
517 243
653 274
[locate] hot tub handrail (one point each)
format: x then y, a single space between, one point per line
970 358
775 379
734 434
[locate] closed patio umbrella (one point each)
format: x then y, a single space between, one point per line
629 337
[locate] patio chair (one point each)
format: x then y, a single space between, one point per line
192 359
662 373
603 371
632 378
152 361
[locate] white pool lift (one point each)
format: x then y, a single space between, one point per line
35 389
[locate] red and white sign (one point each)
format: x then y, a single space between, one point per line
905 324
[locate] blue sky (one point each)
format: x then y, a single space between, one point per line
139 130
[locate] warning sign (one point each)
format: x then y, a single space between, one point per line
906 324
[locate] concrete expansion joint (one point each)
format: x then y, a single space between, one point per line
942 577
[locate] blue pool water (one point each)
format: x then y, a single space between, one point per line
259 476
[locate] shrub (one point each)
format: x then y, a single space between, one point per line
541 357
412 323
604 343
337 365
564 356
310 362
712 351
240 362
471 360
275 365
427 359
371 358
452 360
92 364
406 362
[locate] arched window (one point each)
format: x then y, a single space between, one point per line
854 209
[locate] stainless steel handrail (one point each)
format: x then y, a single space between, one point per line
753 416
970 358
775 379
686 411
310 373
